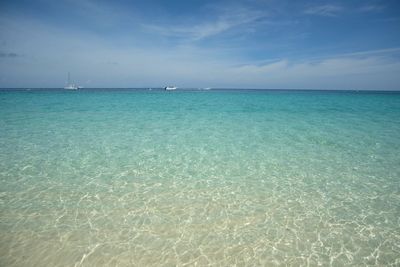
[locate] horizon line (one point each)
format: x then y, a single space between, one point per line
201 89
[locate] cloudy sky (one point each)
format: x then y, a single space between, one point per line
350 44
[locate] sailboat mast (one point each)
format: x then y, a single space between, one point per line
70 86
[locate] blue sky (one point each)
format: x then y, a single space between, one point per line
350 44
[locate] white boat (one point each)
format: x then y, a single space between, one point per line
70 86
170 88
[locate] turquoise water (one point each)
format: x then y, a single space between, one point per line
151 178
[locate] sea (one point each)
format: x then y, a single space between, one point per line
124 177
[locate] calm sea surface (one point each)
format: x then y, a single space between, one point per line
220 178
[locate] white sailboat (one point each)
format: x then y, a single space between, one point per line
70 86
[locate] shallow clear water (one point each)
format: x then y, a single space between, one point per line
119 178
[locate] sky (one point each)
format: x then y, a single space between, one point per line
266 44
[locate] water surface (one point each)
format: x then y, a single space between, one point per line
151 178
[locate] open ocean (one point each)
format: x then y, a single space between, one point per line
197 178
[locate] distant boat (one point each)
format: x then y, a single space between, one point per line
170 88
70 86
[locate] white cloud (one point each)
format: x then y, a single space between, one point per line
324 10
222 22
371 8
368 72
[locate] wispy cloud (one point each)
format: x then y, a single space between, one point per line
324 10
221 23
331 10
371 8
342 73
376 52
